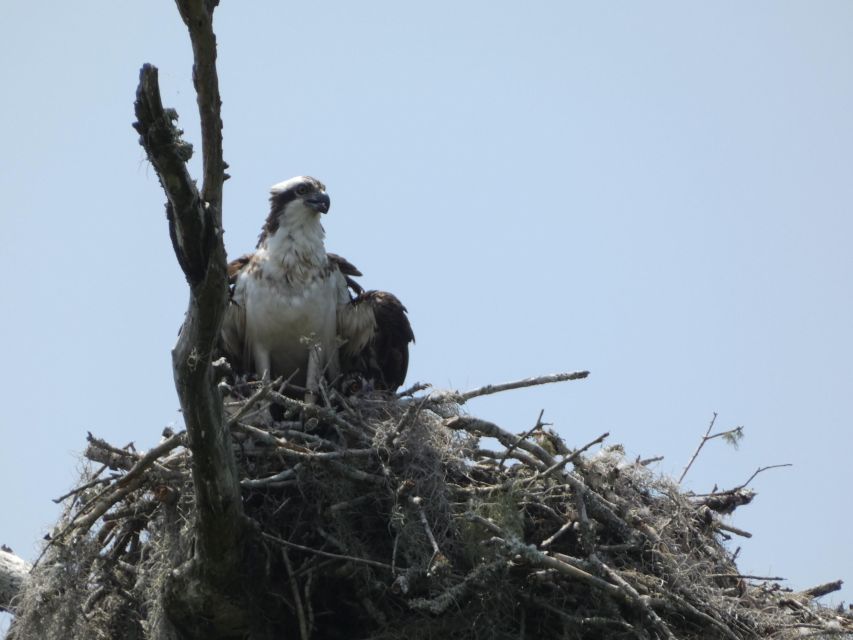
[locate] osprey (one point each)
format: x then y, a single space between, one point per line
297 312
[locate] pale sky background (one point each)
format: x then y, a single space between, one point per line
658 192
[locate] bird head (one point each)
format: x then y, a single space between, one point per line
296 203
299 197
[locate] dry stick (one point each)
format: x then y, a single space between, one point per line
410 415
348 504
699 448
557 466
151 456
742 576
259 395
519 384
521 456
327 554
418 386
547 542
83 487
416 501
253 483
309 583
289 448
633 597
357 474
821 633
328 457
603 509
629 592
524 436
568 459
103 444
98 509
823 589
490 429
686 606
540 559
759 470
580 621
314 411
122 487
440 603
705 439
731 529
108 455
297 599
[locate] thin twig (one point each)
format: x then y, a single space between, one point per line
759 470
634 597
699 448
410 415
489 389
297 599
490 429
742 576
416 501
257 397
540 559
730 433
327 554
415 388
557 466
83 487
524 436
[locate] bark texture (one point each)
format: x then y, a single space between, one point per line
211 587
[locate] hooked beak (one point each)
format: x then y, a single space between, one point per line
318 201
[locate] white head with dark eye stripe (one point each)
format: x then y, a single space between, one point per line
297 202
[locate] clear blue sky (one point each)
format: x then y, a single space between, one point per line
660 193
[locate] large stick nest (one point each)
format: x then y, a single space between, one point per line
395 518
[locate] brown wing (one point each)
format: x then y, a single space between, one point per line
233 334
386 357
234 269
349 270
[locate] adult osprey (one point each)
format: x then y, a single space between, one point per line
296 311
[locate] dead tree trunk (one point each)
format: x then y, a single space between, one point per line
209 596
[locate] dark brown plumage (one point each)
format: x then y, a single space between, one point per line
385 360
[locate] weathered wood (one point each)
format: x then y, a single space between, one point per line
204 590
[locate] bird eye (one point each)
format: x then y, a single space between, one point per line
302 189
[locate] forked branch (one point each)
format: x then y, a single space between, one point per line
196 232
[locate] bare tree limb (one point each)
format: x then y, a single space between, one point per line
757 471
195 228
732 435
198 16
519 384
327 554
197 239
486 428
823 589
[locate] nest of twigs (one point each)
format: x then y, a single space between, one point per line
394 518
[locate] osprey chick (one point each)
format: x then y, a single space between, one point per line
296 310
